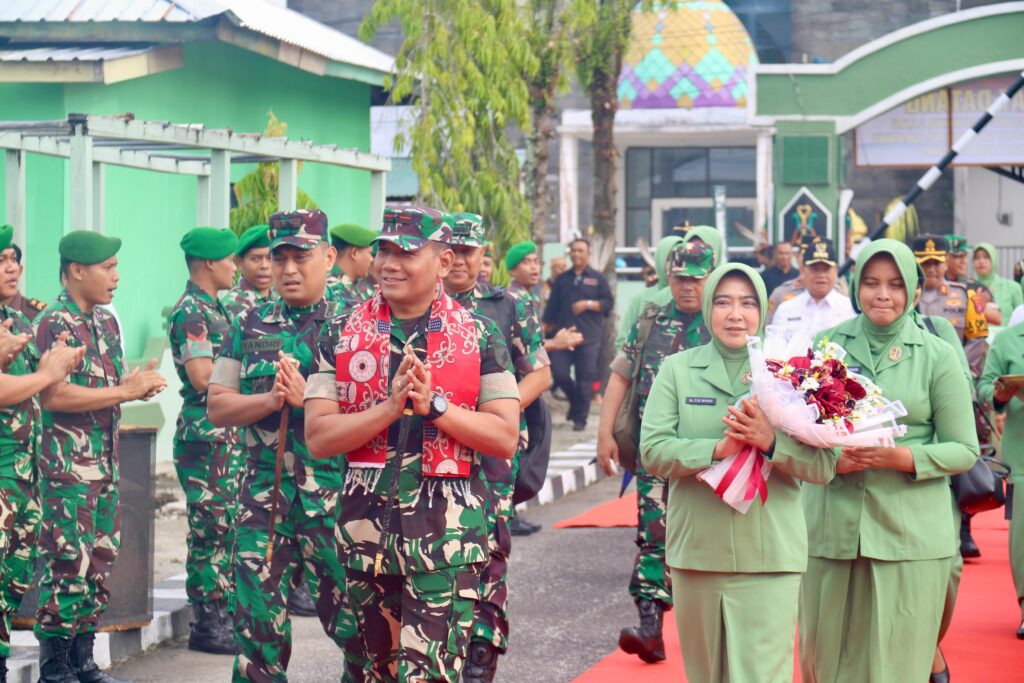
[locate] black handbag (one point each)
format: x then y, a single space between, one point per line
533 462
982 487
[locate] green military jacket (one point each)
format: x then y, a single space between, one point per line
247 364
342 289
436 523
19 424
1006 357
671 331
79 447
196 327
681 425
243 297
881 513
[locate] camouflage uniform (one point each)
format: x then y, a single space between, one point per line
671 330
243 297
306 513
206 458
341 288
27 306
525 343
19 495
80 531
437 541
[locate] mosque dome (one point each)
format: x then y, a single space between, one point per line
686 54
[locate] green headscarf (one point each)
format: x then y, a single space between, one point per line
710 236
735 359
878 336
993 256
661 254
1006 293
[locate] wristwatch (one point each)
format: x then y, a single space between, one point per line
438 407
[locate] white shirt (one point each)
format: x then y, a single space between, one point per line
809 316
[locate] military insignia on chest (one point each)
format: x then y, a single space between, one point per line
895 353
362 366
746 378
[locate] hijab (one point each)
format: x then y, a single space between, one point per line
735 359
709 236
880 336
993 255
661 254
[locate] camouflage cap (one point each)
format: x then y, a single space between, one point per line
412 227
820 250
468 230
956 245
691 259
303 228
929 248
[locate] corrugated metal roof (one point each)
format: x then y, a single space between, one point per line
259 16
71 53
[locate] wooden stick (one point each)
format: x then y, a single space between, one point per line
282 440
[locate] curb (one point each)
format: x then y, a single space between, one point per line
568 471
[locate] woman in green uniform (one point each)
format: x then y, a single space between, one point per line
735 577
880 533
1005 292
1006 357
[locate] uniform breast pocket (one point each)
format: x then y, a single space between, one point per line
257 375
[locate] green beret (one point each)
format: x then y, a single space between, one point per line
87 247
353 235
253 238
6 236
209 243
517 252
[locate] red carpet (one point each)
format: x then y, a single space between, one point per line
618 512
980 647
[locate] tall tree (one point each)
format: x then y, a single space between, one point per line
461 67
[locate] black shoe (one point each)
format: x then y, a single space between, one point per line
208 632
1020 631
578 426
940 677
645 642
55 661
83 663
968 548
300 602
520 527
482 663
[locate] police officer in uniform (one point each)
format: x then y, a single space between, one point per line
660 332
413 389
205 457
820 305
80 532
957 253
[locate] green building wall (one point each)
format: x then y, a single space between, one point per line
219 86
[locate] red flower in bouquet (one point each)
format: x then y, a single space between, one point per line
824 383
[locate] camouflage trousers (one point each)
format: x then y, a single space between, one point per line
650 580
19 522
490 615
415 628
263 631
79 538
209 474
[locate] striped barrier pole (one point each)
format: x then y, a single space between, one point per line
933 173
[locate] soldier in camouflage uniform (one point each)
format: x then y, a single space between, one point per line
205 457
660 332
21 381
255 285
349 281
523 265
25 305
259 373
514 316
78 462
413 525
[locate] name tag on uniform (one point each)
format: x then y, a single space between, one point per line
853 368
701 400
590 281
262 344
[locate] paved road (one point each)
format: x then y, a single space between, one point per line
569 601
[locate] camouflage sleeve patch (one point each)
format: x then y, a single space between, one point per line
497 385
494 356
622 364
197 337
321 385
227 372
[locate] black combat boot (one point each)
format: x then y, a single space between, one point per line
300 602
482 663
54 661
645 642
207 633
3 669
517 526
968 548
83 663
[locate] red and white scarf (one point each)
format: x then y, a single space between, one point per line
362 369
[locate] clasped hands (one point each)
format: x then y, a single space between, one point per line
411 382
745 425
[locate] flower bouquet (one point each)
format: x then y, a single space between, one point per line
814 398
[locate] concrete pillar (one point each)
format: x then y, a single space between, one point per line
378 198
568 192
763 219
98 190
202 200
82 194
287 184
220 189
14 168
